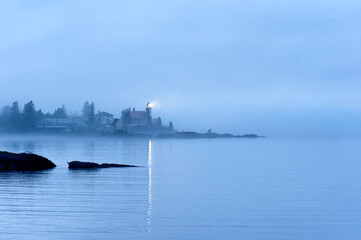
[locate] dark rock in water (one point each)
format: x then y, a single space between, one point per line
87 165
77 164
110 165
24 162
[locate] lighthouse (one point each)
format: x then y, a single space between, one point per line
148 114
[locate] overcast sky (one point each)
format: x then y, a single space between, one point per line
276 68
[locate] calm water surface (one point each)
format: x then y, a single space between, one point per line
185 189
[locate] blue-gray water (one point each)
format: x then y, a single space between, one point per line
186 189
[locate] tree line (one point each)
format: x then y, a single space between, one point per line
13 119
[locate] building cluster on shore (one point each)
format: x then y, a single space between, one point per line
131 121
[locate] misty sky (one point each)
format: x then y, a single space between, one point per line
276 68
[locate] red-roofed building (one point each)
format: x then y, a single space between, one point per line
142 117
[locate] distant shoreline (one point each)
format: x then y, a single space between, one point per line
206 135
177 135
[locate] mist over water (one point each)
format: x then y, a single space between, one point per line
281 69
185 189
288 70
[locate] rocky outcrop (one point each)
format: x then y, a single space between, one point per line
89 165
24 162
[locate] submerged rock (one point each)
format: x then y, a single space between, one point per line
24 162
87 165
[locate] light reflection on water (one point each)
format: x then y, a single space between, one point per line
185 189
149 212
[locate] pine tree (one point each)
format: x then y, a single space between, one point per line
5 118
91 117
60 113
86 109
91 114
126 117
29 117
15 117
39 115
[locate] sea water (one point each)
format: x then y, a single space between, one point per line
185 189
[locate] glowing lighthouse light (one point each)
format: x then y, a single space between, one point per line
150 105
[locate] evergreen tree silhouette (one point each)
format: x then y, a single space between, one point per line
29 117
60 113
15 117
